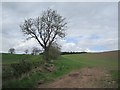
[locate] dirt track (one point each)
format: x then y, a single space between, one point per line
83 78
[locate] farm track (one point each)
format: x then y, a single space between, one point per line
84 78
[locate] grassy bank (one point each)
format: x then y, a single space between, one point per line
64 65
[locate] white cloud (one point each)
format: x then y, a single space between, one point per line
28 44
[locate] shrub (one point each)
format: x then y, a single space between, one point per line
7 72
54 51
21 68
36 64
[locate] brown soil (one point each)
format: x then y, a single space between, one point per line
83 78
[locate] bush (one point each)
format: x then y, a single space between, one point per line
7 72
36 64
54 51
21 68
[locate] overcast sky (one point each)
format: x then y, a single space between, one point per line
91 26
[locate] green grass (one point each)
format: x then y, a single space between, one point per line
90 60
64 65
14 58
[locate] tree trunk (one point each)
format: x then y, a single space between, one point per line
46 54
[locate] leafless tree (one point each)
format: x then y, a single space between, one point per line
45 29
35 51
11 50
26 51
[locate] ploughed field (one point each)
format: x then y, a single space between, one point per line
88 70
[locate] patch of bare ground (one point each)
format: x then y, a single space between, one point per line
84 78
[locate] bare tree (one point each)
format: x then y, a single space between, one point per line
11 50
35 51
26 51
45 29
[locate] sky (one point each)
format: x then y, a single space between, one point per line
92 26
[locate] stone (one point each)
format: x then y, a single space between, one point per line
40 82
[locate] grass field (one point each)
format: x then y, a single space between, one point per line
14 58
64 65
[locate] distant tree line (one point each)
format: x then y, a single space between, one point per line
54 51
64 53
35 51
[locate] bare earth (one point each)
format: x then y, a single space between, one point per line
84 78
